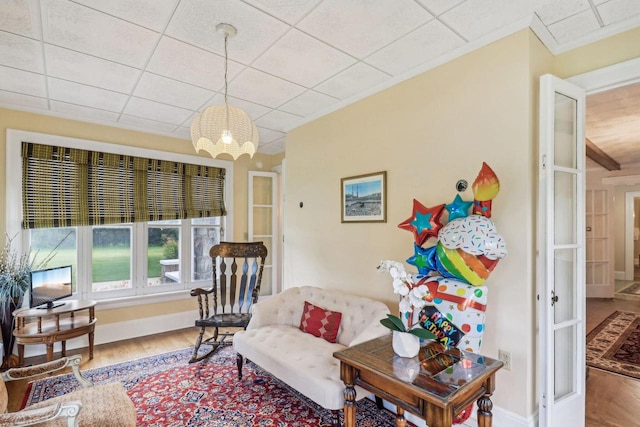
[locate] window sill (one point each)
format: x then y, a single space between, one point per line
133 301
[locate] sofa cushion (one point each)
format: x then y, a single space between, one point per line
320 322
300 360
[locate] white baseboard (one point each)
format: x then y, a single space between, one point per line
501 418
112 332
620 275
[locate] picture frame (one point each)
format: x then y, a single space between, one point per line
364 198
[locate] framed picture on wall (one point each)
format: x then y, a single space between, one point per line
364 198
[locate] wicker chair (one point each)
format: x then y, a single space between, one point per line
101 405
231 299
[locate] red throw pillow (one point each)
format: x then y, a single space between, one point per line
320 322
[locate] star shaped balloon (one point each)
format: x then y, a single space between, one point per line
423 259
458 208
424 222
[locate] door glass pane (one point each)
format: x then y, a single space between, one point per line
163 254
262 220
565 131
266 287
565 208
55 247
565 285
262 190
565 362
111 258
202 239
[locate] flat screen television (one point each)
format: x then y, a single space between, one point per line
50 285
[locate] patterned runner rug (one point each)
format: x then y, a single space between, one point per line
168 391
614 345
632 289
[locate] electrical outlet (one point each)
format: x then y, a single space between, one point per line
505 357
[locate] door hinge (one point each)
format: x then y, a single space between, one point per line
544 161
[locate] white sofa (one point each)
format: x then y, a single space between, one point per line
274 341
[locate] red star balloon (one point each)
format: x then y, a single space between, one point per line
424 222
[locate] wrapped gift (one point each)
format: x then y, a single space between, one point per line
460 310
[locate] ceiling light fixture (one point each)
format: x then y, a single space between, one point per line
225 129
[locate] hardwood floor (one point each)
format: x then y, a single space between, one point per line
612 400
108 354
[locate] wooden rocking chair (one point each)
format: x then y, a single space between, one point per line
231 299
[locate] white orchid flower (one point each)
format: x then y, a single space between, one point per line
405 305
400 287
417 296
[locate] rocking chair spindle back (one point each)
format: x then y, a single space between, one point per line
231 302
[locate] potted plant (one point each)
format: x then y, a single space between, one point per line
406 334
15 269
406 339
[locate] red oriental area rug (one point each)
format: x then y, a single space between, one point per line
614 345
168 391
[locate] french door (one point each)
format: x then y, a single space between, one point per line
263 224
561 254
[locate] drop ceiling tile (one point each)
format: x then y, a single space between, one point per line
360 27
146 125
190 64
20 52
253 110
155 111
169 91
264 89
308 103
278 120
69 65
82 111
420 46
289 11
618 10
75 93
21 17
476 18
66 24
550 12
574 27
17 99
195 22
153 14
273 147
267 135
302 59
183 132
438 7
358 78
22 82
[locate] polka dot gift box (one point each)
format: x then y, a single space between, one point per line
458 306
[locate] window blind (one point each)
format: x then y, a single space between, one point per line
64 187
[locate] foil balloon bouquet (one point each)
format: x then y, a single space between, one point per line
448 296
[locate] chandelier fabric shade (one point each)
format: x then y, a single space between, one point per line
225 129
208 127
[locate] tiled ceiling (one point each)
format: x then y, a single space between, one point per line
151 65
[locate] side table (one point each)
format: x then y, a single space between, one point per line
47 326
436 394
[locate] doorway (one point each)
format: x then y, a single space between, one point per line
601 408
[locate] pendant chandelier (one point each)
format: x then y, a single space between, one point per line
225 129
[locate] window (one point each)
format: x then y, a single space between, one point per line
113 260
119 266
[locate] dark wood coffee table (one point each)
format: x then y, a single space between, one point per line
414 384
